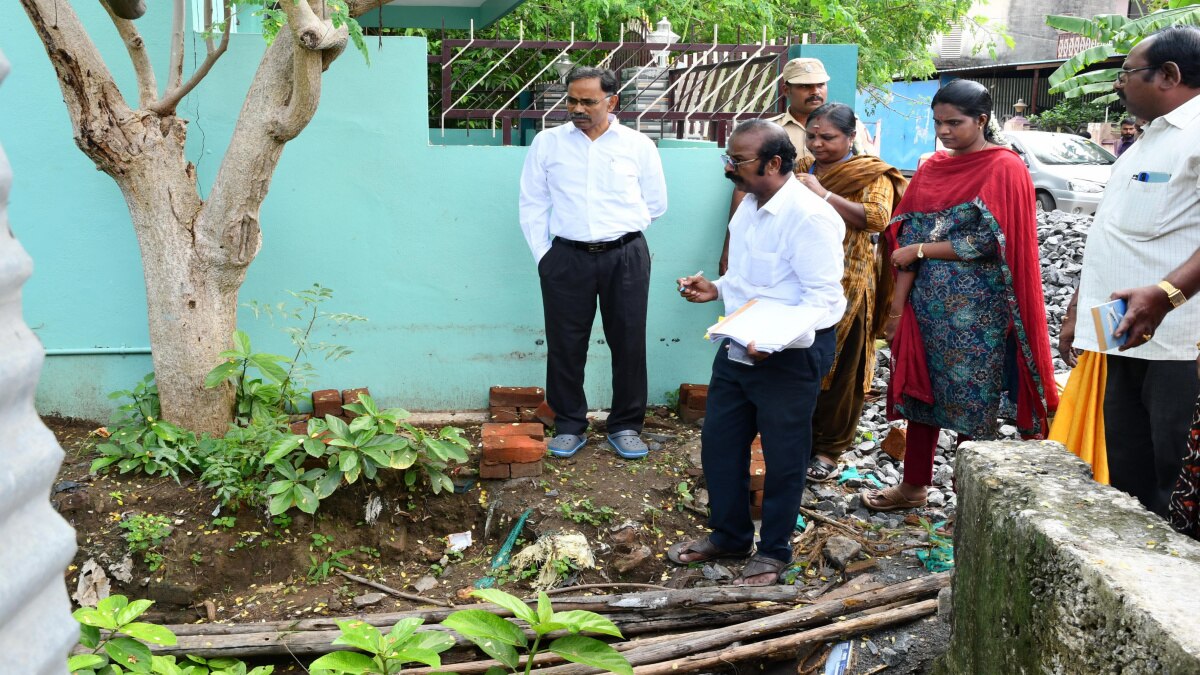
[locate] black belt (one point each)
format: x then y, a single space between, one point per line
600 246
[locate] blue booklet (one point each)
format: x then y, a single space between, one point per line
1107 317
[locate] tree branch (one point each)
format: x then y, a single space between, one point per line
360 7
136 46
94 103
175 71
171 99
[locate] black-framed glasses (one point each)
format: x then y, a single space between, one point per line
585 102
1124 73
731 163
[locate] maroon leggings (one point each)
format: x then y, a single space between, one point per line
919 448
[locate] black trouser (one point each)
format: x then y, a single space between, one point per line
572 280
1148 408
774 397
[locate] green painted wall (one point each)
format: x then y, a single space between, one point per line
421 239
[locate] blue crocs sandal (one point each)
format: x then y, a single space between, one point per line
628 444
566 445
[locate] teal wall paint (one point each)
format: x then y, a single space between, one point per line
421 239
840 61
435 17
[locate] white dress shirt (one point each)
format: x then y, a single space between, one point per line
1145 229
789 251
576 188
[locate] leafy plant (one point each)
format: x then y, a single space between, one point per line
500 639
584 511
227 522
235 465
1072 114
141 441
323 560
257 398
385 654
144 533
118 644
1116 34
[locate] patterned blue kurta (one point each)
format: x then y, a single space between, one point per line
963 308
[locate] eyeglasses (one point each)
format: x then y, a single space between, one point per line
585 102
731 163
1123 74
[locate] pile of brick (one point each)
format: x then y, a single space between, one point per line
513 450
330 402
519 404
693 400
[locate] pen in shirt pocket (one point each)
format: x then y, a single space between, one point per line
1151 177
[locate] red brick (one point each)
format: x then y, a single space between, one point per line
756 498
895 442
689 415
498 414
698 400
758 475
755 513
489 470
516 397
756 446
525 469
513 449
351 396
299 428
545 414
327 402
530 429
527 414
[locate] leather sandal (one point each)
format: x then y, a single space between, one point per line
760 565
890 499
820 471
706 550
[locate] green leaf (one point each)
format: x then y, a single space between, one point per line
361 635
280 503
279 487
327 484
130 654
314 447
89 616
511 603
337 427
89 636
344 662
403 459
281 448
81 661
1078 62
148 632
217 376
241 343
305 499
579 620
404 629
268 365
132 611
431 640
495 636
591 652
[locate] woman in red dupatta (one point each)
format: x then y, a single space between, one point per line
968 319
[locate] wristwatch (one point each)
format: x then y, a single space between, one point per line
1175 295
921 254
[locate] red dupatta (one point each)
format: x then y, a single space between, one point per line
999 178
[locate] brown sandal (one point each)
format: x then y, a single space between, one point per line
760 565
705 548
890 499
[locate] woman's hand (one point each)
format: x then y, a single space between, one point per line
905 256
810 181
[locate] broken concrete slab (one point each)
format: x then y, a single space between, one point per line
1058 574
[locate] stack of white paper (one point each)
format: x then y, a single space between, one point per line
771 326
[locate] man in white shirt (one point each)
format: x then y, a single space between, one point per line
785 246
588 191
1144 247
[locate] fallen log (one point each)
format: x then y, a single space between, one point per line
316 642
393 592
602 604
790 620
663 648
787 646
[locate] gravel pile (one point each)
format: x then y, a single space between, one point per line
1061 237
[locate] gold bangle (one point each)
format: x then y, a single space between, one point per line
897 316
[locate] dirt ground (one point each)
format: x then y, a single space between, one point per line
254 569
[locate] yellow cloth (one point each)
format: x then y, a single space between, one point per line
1079 422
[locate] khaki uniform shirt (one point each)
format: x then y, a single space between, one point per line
796 132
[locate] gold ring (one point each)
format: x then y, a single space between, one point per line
1146 336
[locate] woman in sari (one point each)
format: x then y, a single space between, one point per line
967 320
863 190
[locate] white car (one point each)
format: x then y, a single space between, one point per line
1069 172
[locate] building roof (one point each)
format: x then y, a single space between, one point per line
440 13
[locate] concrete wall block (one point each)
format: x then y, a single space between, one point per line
1058 574
516 397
